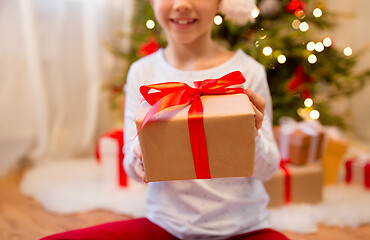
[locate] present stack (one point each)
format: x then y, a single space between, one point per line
109 154
300 177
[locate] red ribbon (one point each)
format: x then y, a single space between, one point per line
177 93
349 170
283 166
118 136
367 175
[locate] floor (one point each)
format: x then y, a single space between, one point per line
22 218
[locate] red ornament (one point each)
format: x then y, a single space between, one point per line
151 46
300 81
295 6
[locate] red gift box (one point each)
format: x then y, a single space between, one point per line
109 154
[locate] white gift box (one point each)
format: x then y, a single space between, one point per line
358 170
110 156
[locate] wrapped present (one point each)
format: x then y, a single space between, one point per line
335 148
295 184
197 133
299 142
358 171
109 154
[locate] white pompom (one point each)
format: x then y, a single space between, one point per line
238 11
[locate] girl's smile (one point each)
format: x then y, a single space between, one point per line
183 23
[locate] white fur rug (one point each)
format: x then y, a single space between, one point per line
70 186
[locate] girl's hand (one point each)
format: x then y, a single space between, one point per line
259 105
139 166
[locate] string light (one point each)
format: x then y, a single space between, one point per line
267 51
312 59
327 42
347 51
302 112
217 20
319 47
255 13
296 23
314 114
311 46
308 102
281 59
298 13
150 24
317 12
303 26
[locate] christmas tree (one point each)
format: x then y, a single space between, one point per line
305 72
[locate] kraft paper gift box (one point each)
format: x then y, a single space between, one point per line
300 184
229 126
299 146
109 154
358 171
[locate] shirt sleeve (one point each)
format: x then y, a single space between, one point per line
267 154
132 102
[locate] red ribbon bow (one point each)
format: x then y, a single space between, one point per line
178 93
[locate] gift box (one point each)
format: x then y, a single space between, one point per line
109 154
358 171
335 149
295 184
172 152
299 143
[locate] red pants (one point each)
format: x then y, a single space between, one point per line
143 229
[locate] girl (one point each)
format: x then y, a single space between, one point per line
226 208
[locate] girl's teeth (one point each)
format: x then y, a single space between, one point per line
183 22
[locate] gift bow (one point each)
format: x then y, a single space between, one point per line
170 94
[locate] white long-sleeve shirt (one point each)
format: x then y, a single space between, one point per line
210 208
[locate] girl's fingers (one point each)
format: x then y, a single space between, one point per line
137 152
139 166
259 105
139 169
258 118
257 100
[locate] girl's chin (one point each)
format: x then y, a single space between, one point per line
188 38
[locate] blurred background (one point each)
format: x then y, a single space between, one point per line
63 66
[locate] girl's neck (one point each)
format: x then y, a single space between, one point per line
196 56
